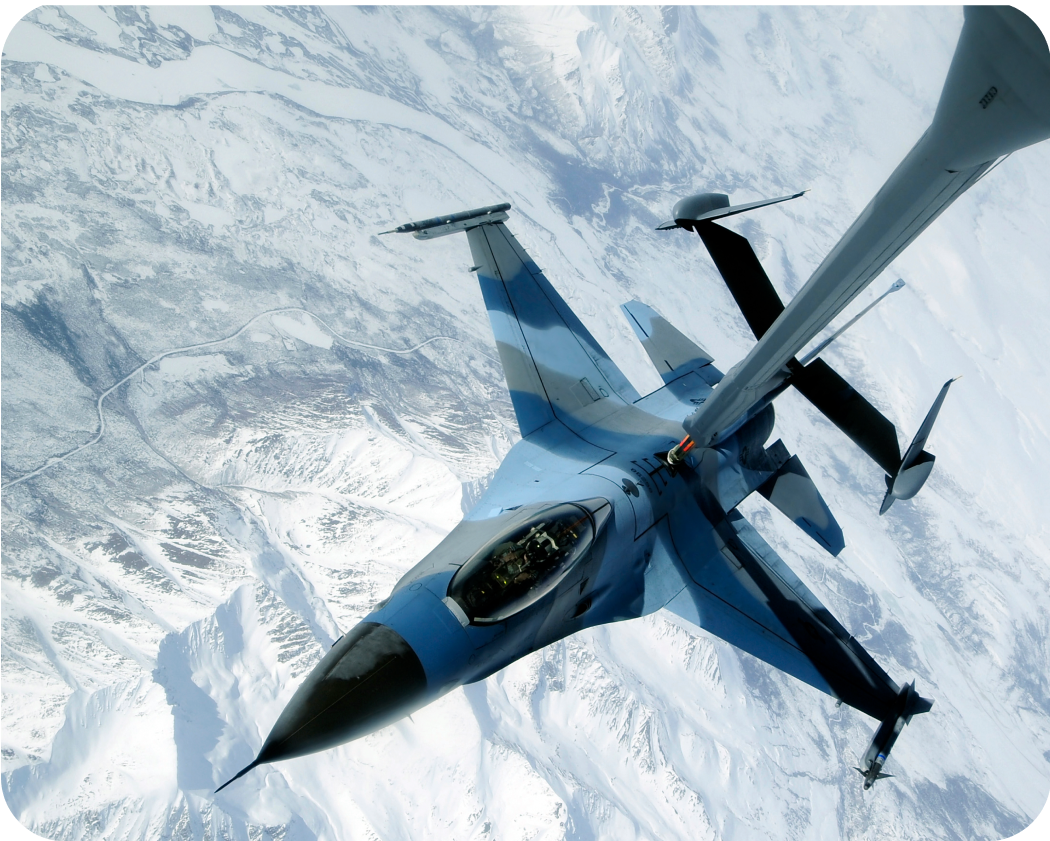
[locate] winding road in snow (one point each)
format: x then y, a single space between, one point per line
213 343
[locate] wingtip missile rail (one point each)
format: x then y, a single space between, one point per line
909 703
441 226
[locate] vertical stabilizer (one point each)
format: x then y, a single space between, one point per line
672 353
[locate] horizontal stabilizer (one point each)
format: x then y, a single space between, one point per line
672 353
743 592
750 598
792 491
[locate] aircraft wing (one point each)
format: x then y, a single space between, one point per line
554 367
995 100
741 591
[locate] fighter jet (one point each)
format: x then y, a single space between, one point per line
604 512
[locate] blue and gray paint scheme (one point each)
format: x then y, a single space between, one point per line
587 521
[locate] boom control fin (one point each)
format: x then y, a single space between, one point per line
869 429
704 207
917 463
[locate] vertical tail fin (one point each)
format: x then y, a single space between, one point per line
672 353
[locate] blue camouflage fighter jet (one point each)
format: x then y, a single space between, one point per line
604 512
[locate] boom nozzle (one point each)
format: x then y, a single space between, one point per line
674 457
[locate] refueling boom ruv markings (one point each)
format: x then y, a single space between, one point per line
598 515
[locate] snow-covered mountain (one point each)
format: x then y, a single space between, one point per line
233 416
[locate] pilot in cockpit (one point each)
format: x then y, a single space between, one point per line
523 565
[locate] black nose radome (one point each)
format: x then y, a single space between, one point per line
370 678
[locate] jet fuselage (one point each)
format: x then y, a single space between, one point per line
610 492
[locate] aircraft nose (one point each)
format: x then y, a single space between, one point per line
370 678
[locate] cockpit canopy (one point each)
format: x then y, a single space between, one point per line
523 564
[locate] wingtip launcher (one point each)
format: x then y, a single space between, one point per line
441 226
909 703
